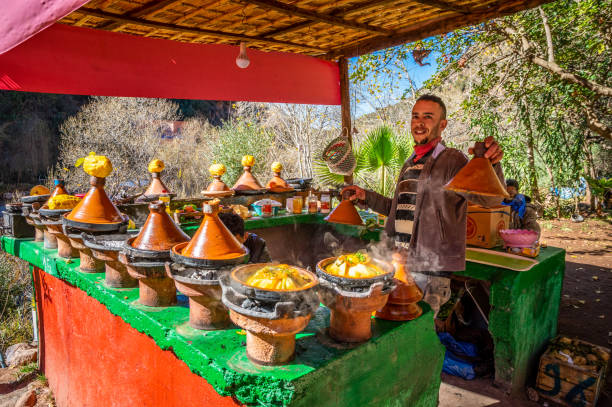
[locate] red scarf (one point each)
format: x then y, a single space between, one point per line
421 149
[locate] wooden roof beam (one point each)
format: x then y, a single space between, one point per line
145 10
432 27
314 16
338 13
119 18
443 5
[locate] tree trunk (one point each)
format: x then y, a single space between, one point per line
592 198
532 171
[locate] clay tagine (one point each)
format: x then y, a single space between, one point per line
146 254
345 213
106 248
38 196
247 183
278 184
50 238
478 176
156 188
402 304
272 316
352 301
199 264
217 188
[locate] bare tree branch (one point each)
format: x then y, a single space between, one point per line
596 125
549 42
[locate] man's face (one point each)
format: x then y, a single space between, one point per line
511 191
427 123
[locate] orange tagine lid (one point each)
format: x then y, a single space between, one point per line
159 232
478 177
346 214
95 207
277 183
213 241
247 180
156 187
59 188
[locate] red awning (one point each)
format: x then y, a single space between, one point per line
74 60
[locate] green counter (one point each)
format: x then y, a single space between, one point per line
399 366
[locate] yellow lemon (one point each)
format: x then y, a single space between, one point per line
216 170
156 165
40 190
248 161
97 165
277 167
63 201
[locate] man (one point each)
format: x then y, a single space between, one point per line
258 252
424 218
523 213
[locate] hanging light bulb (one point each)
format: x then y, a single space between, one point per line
242 60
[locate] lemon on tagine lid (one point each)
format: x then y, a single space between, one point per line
247 183
212 244
95 212
217 188
156 187
278 184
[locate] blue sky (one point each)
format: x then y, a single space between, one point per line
419 74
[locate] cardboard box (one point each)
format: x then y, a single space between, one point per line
484 224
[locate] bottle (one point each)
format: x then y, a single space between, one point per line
325 203
312 203
165 198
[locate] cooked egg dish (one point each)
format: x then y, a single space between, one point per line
278 277
356 265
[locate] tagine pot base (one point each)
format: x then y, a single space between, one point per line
89 264
116 274
270 341
155 288
64 248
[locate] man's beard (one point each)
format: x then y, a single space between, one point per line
435 133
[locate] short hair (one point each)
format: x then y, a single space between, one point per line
435 99
233 222
512 183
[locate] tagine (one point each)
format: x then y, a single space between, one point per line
272 302
29 209
95 213
278 184
217 188
51 217
247 183
157 187
198 265
145 256
352 287
402 304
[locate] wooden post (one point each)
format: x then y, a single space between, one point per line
345 105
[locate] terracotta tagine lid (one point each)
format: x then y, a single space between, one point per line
247 180
59 188
159 232
277 184
216 171
402 304
478 176
213 241
156 187
95 207
345 213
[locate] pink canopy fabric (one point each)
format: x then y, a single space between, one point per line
75 60
21 19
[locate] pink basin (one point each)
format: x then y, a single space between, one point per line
518 237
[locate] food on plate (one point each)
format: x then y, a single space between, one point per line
278 277
63 201
156 165
356 265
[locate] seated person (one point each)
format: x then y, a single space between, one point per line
258 253
523 213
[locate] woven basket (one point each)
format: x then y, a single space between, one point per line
338 155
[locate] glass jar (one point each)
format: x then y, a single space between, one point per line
325 203
297 205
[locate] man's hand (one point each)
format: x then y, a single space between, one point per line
494 152
357 194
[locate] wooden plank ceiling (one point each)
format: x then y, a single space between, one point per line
321 28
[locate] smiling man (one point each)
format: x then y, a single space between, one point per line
424 218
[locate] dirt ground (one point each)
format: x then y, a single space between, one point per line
586 303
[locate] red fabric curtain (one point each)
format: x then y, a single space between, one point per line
82 61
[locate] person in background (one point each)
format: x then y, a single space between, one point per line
258 252
523 213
